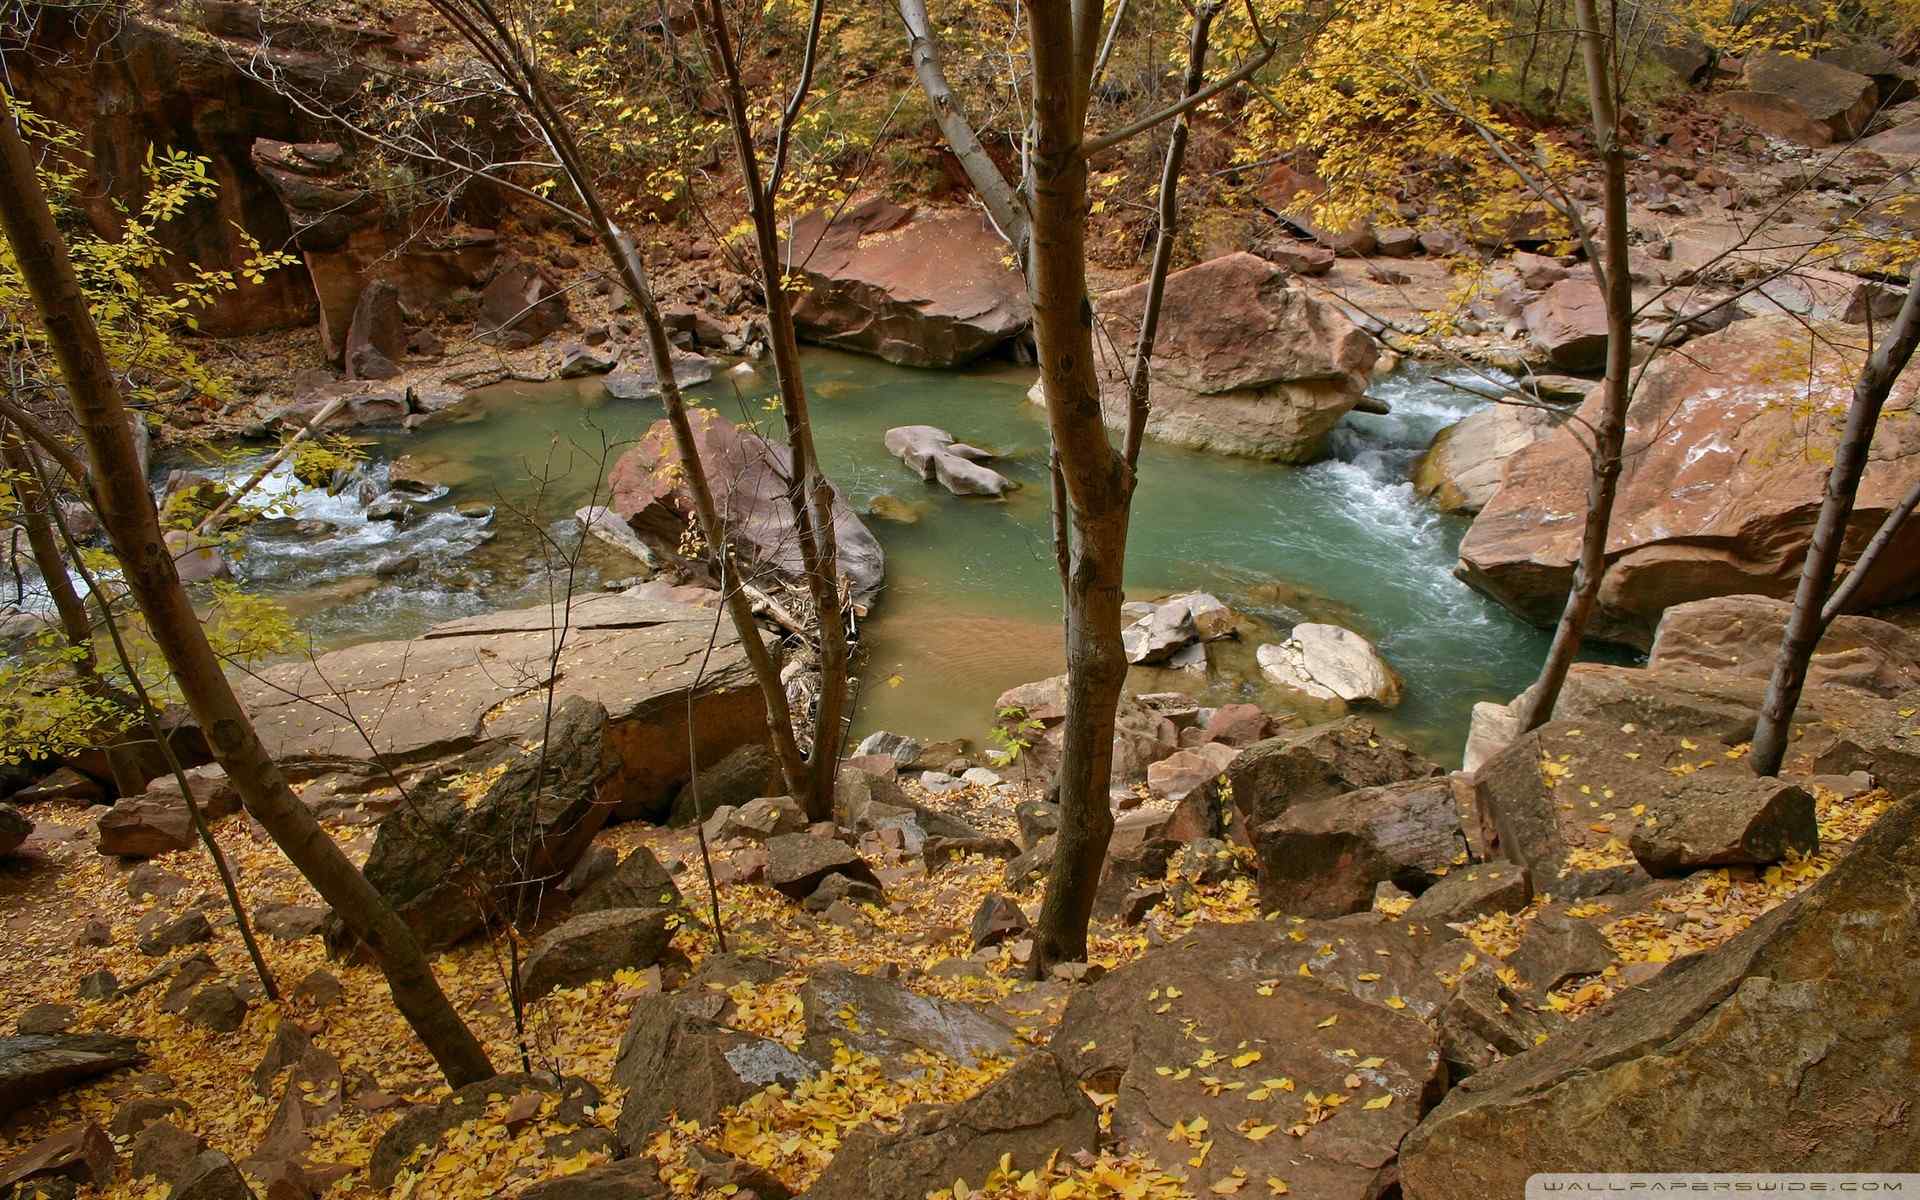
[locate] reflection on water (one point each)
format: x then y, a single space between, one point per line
972 605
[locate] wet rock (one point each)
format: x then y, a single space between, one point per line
34 1067
1237 725
1323 858
577 362
1717 823
1463 467
1318 763
1706 509
1026 1117
593 946
797 863
186 930
1243 363
881 1018
1141 736
1225 979
635 378
923 287
995 921
933 455
1327 662
672 1063
748 475
521 306
637 881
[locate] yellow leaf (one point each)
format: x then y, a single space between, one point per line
1329 1022
1395 1002
1242 1060
1378 1102
1276 1186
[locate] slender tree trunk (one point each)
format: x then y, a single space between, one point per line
1610 431
1805 623
1003 203
1096 481
45 546
1863 566
810 495
126 510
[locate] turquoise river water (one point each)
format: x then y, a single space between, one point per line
971 605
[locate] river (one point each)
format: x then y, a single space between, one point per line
972 605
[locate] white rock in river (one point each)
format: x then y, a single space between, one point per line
934 455
605 524
1328 662
1156 632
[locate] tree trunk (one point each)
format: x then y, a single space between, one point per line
809 496
1805 624
1882 538
1003 203
1095 478
45 546
126 510
1610 432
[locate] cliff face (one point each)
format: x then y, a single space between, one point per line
131 83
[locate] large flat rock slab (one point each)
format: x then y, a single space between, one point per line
480 679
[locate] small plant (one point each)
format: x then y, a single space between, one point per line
1012 736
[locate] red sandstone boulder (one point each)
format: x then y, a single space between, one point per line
921 287
748 475
1721 484
1242 364
1568 325
1805 100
